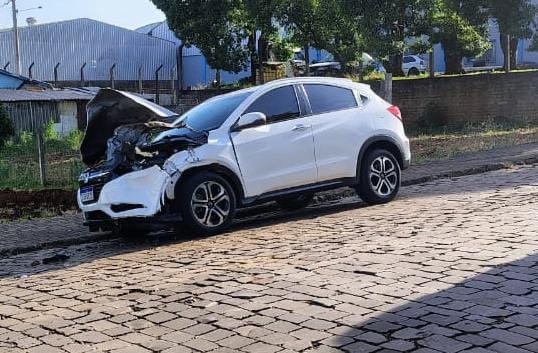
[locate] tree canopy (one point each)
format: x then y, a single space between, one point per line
230 33
516 20
217 27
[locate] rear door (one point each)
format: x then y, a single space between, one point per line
339 129
279 155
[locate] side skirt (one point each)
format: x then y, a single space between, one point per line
296 191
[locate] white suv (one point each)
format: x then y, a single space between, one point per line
282 142
413 65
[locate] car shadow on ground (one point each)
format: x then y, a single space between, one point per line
55 259
494 309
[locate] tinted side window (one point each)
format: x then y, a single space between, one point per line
408 59
278 105
324 99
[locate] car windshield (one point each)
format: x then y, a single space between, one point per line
212 114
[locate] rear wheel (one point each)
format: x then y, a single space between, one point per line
295 202
207 203
413 72
380 177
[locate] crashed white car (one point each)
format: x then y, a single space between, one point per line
282 142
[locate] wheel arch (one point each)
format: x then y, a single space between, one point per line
219 169
382 142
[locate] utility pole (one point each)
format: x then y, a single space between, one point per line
18 67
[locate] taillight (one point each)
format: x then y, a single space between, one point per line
394 110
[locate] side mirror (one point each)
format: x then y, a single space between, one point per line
250 120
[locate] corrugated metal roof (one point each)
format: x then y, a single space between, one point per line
100 45
7 95
23 80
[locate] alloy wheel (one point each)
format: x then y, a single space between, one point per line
383 176
210 204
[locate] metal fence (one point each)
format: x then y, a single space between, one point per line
36 161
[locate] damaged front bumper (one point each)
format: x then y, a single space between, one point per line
136 195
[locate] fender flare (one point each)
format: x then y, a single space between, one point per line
218 168
377 139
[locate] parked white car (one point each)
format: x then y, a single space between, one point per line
413 65
282 142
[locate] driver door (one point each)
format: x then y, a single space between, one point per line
280 154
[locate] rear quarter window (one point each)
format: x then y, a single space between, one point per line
325 98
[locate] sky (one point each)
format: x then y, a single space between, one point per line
124 13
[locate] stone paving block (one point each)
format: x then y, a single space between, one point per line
200 344
501 347
360 347
444 344
178 349
261 348
507 337
235 342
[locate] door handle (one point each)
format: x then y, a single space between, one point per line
300 127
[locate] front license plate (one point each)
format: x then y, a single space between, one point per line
86 194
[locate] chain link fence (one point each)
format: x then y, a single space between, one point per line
40 160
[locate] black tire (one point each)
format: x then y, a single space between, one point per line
380 177
203 213
413 72
295 202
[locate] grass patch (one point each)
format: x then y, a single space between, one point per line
447 142
19 162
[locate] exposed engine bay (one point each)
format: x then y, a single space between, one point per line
126 133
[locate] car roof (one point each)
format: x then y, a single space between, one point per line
297 80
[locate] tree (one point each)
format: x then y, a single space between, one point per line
461 28
217 27
303 20
386 26
6 126
342 34
516 20
260 15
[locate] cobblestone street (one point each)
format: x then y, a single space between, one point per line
451 266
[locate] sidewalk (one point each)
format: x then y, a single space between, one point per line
27 236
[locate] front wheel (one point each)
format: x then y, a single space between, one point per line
380 177
207 203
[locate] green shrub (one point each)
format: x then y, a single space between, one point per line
50 132
6 126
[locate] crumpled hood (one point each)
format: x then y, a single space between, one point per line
109 110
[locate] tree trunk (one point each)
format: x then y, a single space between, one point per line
505 43
218 79
396 63
307 60
453 64
261 57
432 64
253 60
514 42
